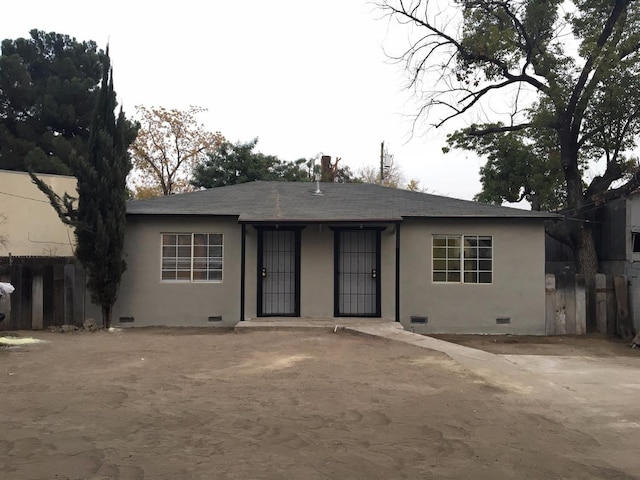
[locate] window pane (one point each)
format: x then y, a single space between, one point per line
470 252
439 241
183 275
478 264
484 277
168 275
446 257
199 263
199 275
453 241
215 239
169 239
635 239
471 241
453 265
191 257
169 264
214 264
439 264
484 265
453 252
470 277
439 276
485 242
199 239
453 276
184 263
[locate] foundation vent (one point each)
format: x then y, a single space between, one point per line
503 321
417 319
216 318
125 319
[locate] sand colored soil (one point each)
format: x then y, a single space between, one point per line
197 404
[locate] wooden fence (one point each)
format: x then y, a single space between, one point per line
49 291
576 304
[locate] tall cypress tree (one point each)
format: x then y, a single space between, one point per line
99 217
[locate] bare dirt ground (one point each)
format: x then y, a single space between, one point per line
197 404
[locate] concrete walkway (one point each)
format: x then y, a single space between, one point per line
496 369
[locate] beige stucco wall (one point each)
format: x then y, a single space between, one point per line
517 290
32 226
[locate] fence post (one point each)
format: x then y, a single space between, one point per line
58 295
69 304
550 304
37 299
561 307
612 321
581 305
622 304
79 288
5 304
601 303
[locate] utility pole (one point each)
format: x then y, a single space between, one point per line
381 163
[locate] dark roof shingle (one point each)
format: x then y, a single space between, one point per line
262 201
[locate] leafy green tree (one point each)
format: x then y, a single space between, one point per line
569 69
516 169
99 214
230 164
48 88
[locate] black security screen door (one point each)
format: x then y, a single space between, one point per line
357 273
279 273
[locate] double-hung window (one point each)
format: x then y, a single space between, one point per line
462 259
192 257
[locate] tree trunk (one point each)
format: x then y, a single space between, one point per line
582 238
106 316
585 252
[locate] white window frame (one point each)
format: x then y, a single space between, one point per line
455 267
193 261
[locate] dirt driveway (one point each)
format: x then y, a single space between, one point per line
196 404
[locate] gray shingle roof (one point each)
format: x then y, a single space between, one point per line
340 202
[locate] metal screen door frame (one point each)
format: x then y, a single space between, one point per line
278 272
364 272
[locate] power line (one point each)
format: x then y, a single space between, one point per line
26 198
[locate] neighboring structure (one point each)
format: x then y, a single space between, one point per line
616 224
30 225
437 264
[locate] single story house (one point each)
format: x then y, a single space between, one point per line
330 250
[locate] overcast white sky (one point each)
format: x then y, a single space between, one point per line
305 76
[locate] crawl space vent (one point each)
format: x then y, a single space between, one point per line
503 321
417 319
125 319
216 318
